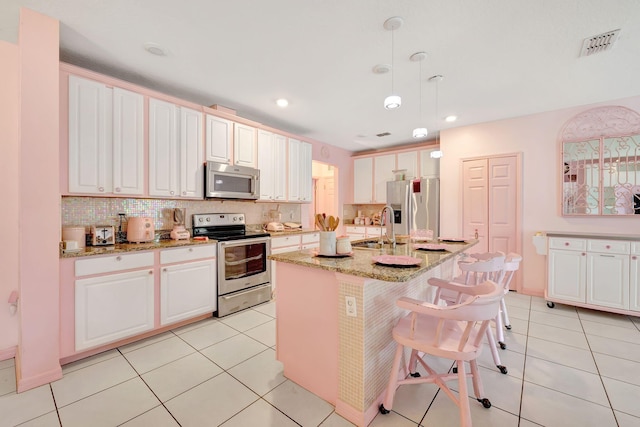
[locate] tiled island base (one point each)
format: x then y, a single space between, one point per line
344 359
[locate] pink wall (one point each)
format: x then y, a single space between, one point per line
39 201
9 117
536 136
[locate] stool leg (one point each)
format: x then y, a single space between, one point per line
494 351
505 314
393 381
463 398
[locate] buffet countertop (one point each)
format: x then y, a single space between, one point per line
360 262
132 247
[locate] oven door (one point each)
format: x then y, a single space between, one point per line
243 264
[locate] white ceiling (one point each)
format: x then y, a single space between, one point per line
499 58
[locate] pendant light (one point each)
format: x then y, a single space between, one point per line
392 101
436 79
419 132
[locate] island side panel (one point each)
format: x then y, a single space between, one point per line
307 328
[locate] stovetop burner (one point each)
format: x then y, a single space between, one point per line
223 226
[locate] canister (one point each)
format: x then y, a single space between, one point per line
74 233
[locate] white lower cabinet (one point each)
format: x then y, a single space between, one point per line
594 273
113 307
187 289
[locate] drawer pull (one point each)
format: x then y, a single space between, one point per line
608 256
118 258
150 271
164 270
634 257
584 253
608 247
566 243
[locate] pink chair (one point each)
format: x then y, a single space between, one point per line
452 332
478 269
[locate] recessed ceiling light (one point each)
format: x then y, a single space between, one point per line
381 68
450 119
155 49
282 103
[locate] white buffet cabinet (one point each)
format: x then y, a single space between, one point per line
594 271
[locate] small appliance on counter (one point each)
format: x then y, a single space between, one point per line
140 229
103 235
74 234
275 226
179 232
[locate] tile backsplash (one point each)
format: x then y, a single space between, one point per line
88 211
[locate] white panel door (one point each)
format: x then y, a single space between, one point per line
475 203
128 142
244 145
112 307
383 172
90 161
567 275
163 149
187 290
502 207
608 280
191 165
363 180
219 139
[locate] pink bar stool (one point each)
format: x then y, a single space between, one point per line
453 332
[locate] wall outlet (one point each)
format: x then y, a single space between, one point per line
351 306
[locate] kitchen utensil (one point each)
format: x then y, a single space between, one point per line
337 223
320 222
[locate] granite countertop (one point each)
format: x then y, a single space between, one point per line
587 235
360 262
133 247
290 231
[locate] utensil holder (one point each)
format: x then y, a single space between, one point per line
327 243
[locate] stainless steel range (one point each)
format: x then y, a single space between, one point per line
244 275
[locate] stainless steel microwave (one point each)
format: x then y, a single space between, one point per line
225 181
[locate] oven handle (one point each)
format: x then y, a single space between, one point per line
236 294
242 242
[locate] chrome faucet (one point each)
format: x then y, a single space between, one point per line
391 239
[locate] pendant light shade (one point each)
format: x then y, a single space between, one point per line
419 132
392 101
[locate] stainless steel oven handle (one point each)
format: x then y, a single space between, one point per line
237 294
245 241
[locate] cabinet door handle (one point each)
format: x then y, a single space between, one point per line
584 253
608 247
190 249
164 270
101 189
634 257
117 189
118 258
172 192
566 243
608 256
150 271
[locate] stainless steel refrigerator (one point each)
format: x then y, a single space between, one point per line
416 205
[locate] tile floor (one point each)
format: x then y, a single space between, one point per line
567 367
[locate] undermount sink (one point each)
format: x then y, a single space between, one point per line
366 245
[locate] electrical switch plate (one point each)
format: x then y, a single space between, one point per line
351 306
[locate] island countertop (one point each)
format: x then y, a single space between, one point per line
360 262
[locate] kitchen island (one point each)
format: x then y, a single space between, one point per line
334 318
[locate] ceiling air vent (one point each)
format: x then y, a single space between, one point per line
383 134
599 43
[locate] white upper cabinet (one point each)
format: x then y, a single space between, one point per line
244 145
106 139
219 139
272 162
429 167
175 151
300 171
363 180
383 173
409 162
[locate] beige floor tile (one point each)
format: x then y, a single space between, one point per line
618 369
623 396
84 382
234 350
559 335
211 403
391 419
302 406
7 380
412 400
550 408
261 373
47 420
192 326
245 319
260 413
561 354
18 408
110 407
444 413
626 420
265 333
268 308
631 335
612 347
145 342
565 379
335 420
157 417
556 320
91 360
209 334
606 318
160 353
539 304
180 375
513 360
7 363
